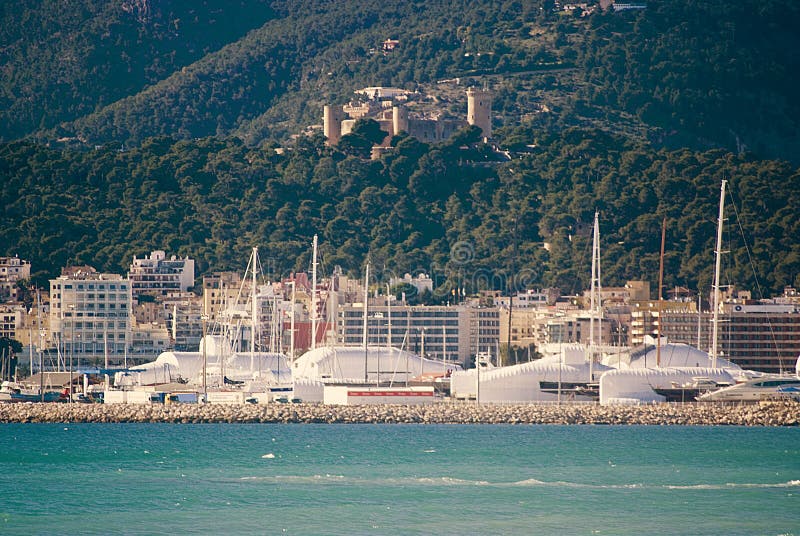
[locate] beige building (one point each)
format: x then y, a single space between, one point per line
762 336
12 321
148 341
633 291
182 312
394 117
12 271
90 311
680 324
220 290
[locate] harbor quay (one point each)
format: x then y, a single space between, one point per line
767 413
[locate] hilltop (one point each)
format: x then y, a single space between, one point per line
693 73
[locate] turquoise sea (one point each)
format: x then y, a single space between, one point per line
398 479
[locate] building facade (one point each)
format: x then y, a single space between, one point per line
396 117
90 312
11 321
12 271
448 333
155 275
763 336
220 290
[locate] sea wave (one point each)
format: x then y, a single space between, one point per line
729 485
528 482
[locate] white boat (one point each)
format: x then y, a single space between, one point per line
642 385
767 387
15 392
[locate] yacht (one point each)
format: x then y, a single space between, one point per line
14 392
768 387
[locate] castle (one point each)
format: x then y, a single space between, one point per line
386 106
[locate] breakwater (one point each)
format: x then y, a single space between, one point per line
778 413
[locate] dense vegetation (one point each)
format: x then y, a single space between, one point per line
419 208
153 124
64 60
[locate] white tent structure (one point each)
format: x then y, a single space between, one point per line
355 365
269 369
536 381
638 373
167 368
567 372
637 385
375 364
672 355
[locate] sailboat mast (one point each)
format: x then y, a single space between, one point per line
314 295
389 315
366 312
717 263
660 289
41 334
699 316
594 288
253 312
174 323
291 322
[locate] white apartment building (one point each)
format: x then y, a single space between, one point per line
89 310
156 275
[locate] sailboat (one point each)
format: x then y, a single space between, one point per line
223 369
712 377
569 374
361 374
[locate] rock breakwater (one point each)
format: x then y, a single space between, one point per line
779 413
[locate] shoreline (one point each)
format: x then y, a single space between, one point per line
773 413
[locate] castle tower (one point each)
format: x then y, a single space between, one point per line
332 123
479 110
399 120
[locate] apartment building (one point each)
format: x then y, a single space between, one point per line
451 333
90 311
155 275
12 271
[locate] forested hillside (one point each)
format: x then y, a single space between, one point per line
64 60
134 125
419 208
696 73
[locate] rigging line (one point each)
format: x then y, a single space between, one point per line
755 277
